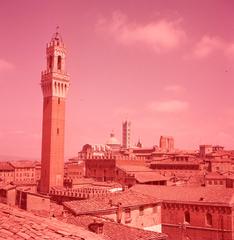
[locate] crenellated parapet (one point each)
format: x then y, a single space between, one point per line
81 193
55 80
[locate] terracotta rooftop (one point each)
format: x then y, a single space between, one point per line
216 195
143 150
23 164
6 186
19 224
143 177
5 166
173 162
215 175
134 168
128 198
121 162
115 231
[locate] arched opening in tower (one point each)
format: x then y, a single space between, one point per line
59 62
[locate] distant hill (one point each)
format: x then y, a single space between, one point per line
5 158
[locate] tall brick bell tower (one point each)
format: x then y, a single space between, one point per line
54 84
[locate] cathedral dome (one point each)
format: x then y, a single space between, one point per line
112 140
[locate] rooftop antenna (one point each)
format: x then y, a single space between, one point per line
57 35
57 32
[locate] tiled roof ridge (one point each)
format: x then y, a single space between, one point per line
41 223
110 203
159 236
206 194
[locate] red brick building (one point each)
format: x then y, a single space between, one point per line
125 172
74 170
130 174
130 208
194 212
100 168
217 179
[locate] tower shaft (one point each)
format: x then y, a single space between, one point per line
55 84
126 134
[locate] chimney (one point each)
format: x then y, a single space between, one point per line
96 227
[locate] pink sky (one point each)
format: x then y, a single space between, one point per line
168 66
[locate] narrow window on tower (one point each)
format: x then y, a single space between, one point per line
58 100
59 62
50 62
57 131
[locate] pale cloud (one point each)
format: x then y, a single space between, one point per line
229 51
17 132
223 137
5 65
160 35
208 45
171 106
174 88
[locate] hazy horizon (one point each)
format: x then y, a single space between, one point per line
167 66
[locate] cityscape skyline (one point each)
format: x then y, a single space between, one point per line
186 94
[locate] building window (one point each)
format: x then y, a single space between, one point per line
187 217
58 100
210 182
128 215
59 62
57 131
209 219
141 210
